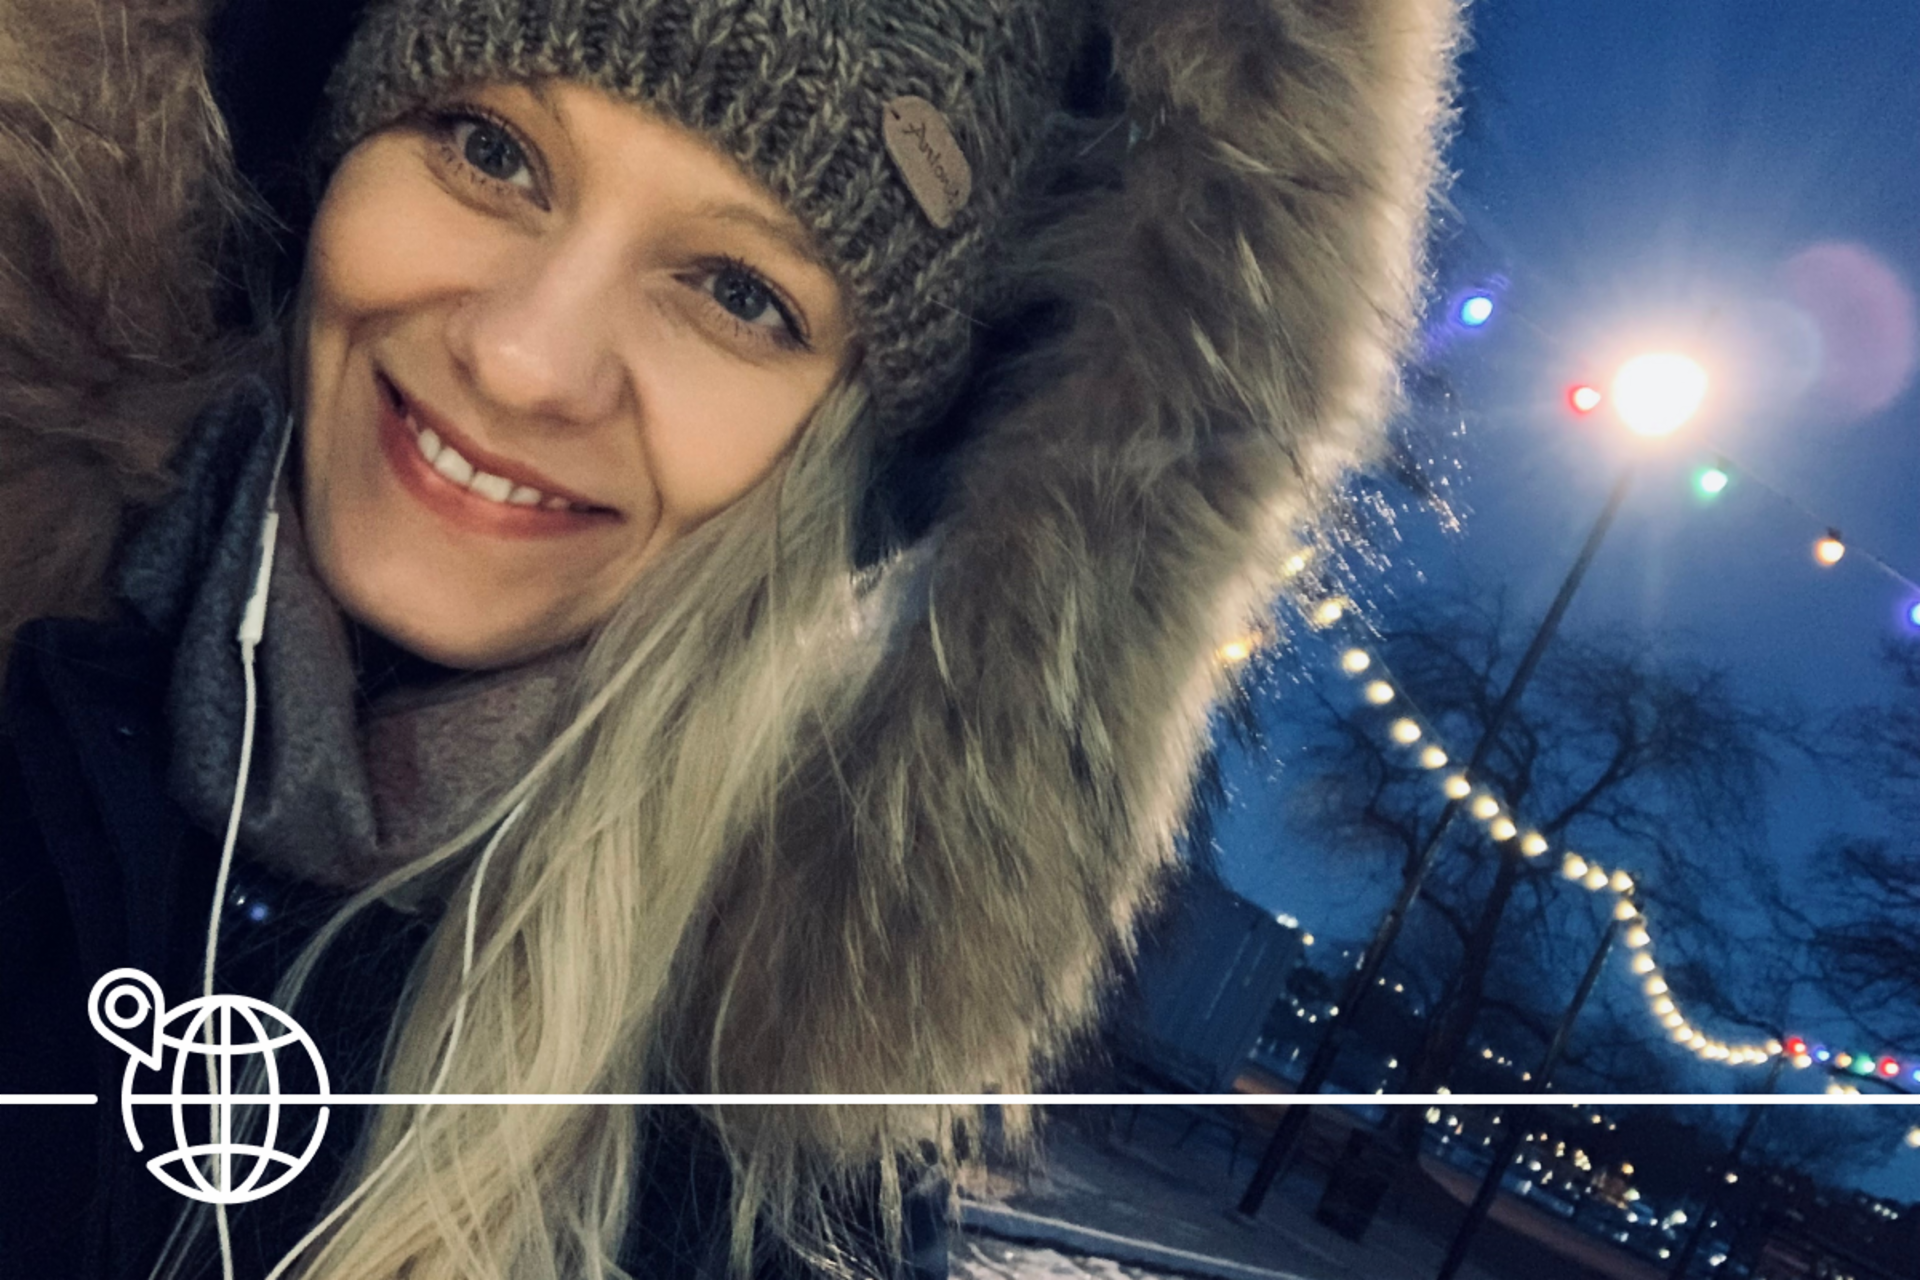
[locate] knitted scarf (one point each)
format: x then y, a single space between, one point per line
353 772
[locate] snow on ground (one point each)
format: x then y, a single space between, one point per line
983 1258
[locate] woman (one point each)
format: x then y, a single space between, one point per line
751 492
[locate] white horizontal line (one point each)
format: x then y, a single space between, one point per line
49 1099
1039 1099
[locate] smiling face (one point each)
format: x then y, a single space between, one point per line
547 333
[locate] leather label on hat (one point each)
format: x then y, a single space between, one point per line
929 159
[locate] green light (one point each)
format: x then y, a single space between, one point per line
1861 1065
1712 481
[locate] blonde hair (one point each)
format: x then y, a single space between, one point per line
693 702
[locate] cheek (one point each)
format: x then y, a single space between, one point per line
711 439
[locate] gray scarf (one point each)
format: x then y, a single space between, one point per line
343 788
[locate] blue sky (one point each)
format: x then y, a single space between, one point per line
1735 179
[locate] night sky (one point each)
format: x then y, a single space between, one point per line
1736 180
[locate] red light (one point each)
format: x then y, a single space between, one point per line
1584 399
1795 1046
1888 1067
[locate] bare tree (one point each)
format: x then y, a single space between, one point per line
1639 761
1867 938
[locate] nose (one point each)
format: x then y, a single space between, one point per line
537 341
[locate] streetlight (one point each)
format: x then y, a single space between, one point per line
1654 394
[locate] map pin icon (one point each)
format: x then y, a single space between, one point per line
120 1002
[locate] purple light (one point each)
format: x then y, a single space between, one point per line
1913 614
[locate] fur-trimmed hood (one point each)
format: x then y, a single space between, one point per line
1235 301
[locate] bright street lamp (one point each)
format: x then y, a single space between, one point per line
1655 394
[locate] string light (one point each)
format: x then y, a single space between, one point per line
1329 612
1830 549
1638 938
1584 399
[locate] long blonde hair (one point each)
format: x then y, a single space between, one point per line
691 705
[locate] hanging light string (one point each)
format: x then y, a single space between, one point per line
1830 547
1412 732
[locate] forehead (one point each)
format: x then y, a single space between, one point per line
617 140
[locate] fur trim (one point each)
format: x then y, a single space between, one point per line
113 189
1020 769
972 852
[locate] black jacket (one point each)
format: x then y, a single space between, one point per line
99 869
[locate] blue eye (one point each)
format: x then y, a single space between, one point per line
746 298
489 148
744 295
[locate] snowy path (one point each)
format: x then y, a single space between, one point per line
984 1258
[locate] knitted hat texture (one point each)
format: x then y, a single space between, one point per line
795 92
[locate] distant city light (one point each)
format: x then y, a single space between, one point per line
1584 399
1476 310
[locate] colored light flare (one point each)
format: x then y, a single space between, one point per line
1584 399
1476 310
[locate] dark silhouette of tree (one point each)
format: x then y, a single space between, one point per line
1638 761
1867 938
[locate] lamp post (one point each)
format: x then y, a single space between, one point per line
1654 395
1513 1136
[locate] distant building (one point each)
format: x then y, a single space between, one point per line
1206 978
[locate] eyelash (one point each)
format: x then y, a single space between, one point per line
443 122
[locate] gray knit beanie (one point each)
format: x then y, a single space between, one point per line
898 132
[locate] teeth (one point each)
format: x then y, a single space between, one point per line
447 461
492 487
454 467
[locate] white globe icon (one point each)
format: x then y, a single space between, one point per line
223 1032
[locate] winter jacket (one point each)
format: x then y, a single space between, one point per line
1229 286
102 870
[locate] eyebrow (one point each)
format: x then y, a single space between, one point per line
788 235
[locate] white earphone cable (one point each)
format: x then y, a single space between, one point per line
446 1060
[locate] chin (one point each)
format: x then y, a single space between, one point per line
441 630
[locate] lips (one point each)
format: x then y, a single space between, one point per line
537 508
